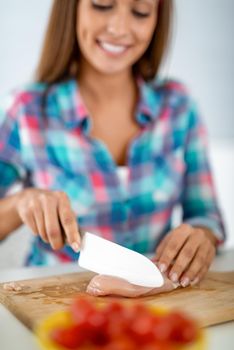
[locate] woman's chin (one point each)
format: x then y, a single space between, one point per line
111 69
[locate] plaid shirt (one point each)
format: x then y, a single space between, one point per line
45 142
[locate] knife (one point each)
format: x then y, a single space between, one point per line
108 258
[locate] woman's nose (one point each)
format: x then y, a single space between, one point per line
118 25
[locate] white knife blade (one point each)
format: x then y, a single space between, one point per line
105 257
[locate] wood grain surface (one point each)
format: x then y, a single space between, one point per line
211 302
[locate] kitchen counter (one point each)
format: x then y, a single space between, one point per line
12 332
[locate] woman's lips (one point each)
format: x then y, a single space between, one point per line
113 50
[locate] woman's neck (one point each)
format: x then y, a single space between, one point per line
106 87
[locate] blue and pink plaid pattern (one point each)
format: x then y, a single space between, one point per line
45 142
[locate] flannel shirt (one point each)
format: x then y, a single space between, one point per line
45 142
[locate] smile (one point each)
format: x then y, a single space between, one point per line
112 49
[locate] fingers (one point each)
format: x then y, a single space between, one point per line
49 214
201 274
161 247
30 222
188 252
53 230
28 219
184 258
69 222
199 265
40 224
176 240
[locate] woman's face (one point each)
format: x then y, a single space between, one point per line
114 34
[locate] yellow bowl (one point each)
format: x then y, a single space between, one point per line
63 319
43 330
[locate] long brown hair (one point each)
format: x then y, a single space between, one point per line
60 54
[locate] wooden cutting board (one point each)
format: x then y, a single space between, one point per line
211 302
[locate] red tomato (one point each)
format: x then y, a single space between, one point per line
116 327
96 325
69 338
183 329
114 308
122 343
97 320
158 346
140 309
116 322
161 328
185 332
130 313
81 309
142 328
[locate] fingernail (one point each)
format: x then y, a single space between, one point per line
185 282
75 246
195 281
162 267
174 277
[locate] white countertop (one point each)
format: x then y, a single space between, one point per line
219 336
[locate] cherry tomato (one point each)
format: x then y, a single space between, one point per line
142 328
184 330
130 313
161 328
96 325
116 322
140 309
69 338
116 327
122 343
81 309
158 346
114 308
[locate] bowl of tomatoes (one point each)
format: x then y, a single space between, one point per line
117 325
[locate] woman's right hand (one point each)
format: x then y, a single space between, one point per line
49 215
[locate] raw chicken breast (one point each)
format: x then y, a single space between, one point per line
101 285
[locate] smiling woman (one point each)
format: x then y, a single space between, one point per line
122 30
62 52
98 103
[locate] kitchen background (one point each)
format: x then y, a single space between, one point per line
201 56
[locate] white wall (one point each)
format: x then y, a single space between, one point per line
202 56
22 26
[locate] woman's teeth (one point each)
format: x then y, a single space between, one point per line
112 48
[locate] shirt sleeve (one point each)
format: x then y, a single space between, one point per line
199 200
11 166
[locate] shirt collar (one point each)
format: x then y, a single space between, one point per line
71 106
148 102
75 114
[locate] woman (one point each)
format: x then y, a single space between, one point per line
100 145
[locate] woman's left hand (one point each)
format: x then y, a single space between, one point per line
186 254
